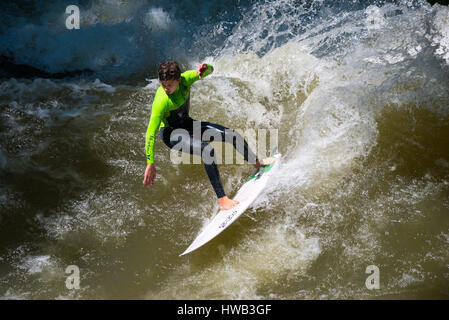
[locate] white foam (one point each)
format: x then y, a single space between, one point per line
13 294
441 26
25 91
375 18
156 19
35 264
110 12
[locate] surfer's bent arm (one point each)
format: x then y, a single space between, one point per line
157 111
191 76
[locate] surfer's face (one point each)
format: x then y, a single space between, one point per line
170 85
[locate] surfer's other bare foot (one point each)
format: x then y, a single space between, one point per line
226 203
264 162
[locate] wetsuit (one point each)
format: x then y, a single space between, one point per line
171 112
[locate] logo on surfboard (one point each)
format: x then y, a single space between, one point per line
228 218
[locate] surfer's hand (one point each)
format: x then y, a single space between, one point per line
150 175
201 69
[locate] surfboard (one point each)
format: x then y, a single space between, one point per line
246 195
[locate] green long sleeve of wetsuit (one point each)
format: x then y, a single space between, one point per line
163 104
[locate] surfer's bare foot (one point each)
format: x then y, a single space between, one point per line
264 162
226 203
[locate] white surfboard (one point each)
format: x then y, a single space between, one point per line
246 195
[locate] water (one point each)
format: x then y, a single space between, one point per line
357 90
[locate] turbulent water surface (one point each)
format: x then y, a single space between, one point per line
358 92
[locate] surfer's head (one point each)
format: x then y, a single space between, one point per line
170 76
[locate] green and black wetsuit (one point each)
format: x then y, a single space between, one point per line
171 112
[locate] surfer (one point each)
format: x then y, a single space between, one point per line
170 111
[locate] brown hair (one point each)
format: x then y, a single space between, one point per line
169 70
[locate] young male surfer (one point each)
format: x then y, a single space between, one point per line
170 111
